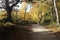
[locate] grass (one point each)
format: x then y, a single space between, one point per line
53 27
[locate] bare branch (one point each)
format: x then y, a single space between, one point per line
15 3
2 7
6 3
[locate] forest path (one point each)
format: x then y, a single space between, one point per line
28 32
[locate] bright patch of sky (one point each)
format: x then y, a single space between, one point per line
1 5
28 7
19 6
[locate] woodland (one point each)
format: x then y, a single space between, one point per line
43 12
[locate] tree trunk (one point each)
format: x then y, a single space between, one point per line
57 18
8 9
9 18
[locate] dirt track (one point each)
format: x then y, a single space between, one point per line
15 33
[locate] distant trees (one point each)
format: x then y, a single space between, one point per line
47 10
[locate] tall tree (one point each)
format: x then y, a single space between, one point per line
8 7
28 7
55 7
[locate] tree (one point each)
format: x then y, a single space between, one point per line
8 8
28 7
57 17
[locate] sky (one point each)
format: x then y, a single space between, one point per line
19 6
29 6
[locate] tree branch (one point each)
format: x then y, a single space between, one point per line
15 3
2 7
6 3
